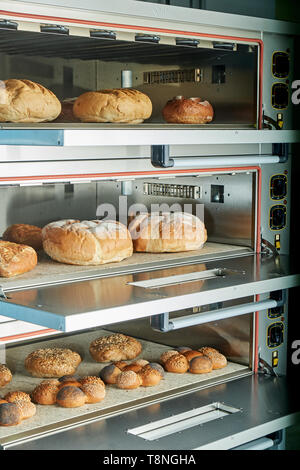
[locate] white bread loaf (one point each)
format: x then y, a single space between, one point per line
27 101
167 232
116 105
90 242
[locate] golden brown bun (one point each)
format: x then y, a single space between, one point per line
17 395
157 367
23 401
27 101
91 242
115 347
94 392
16 259
167 232
181 110
191 354
70 397
116 105
109 374
45 393
66 114
5 375
218 360
177 363
25 234
166 355
52 362
10 414
120 364
128 380
200 365
150 376
91 379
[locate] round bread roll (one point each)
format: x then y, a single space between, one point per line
91 379
115 347
167 232
17 395
68 379
90 242
5 375
200 365
10 414
177 364
121 364
52 362
16 258
150 376
124 105
70 397
191 354
166 355
27 101
94 392
109 374
45 393
25 234
128 380
181 110
158 367
218 360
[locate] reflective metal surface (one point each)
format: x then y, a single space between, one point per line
266 404
96 302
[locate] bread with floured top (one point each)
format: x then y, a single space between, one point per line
88 242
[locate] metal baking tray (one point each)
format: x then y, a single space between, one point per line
53 418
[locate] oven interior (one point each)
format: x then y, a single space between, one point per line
70 65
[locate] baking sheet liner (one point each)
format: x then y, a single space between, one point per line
55 416
48 271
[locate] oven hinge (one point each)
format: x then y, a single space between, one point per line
265 368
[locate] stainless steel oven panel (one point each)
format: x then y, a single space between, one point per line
90 303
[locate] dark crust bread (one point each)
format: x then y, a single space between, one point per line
181 110
115 347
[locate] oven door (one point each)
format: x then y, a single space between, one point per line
85 301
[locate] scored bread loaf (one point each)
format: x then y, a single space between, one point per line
27 101
167 232
114 105
90 242
16 259
25 234
181 110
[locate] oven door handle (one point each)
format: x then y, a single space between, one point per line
161 322
160 157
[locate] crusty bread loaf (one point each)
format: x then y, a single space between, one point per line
92 242
16 259
116 105
25 234
181 110
167 232
52 362
27 101
115 347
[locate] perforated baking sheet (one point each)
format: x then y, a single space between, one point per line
53 417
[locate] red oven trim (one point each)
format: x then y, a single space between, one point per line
157 30
166 172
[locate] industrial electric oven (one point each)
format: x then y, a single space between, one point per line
232 294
